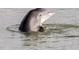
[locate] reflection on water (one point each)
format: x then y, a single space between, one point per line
48 38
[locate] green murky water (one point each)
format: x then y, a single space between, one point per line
52 35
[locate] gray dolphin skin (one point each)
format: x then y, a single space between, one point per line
32 22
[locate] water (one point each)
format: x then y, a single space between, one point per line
61 31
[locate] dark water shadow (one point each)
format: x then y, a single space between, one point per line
72 36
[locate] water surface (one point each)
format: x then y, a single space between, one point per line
61 31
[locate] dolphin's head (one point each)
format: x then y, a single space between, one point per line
45 14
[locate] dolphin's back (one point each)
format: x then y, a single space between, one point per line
24 26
